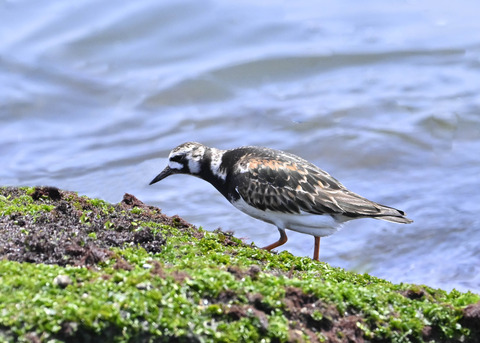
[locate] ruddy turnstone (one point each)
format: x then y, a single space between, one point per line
279 188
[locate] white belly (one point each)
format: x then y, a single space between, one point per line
311 224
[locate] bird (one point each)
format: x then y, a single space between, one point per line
279 188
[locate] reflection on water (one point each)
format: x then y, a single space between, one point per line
385 98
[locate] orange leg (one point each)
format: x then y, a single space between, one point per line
316 249
283 239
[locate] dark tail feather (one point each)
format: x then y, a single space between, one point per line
395 219
391 214
356 206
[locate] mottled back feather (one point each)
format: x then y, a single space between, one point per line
287 183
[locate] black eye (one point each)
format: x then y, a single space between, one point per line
178 158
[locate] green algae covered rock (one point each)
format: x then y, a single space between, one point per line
75 269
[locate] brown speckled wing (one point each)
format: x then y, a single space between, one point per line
290 184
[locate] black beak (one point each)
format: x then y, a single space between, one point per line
166 172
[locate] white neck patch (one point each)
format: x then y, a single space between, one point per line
216 162
195 159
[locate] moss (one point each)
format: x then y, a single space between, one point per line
22 205
209 286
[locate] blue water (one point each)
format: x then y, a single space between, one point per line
384 96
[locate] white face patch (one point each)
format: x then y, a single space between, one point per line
187 158
194 166
175 165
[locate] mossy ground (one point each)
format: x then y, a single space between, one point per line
81 270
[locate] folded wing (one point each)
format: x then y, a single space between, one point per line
298 186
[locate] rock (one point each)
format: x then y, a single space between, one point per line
144 286
62 281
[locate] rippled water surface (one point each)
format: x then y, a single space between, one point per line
383 95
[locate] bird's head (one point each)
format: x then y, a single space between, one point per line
184 159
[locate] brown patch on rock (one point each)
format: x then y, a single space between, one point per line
48 192
93 255
179 222
303 309
255 299
345 330
295 298
414 294
236 312
236 271
428 334
435 334
106 276
68 329
180 276
226 296
122 264
33 337
254 271
471 314
226 237
132 201
148 240
471 319
78 232
157 269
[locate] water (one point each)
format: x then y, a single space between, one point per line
385 97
